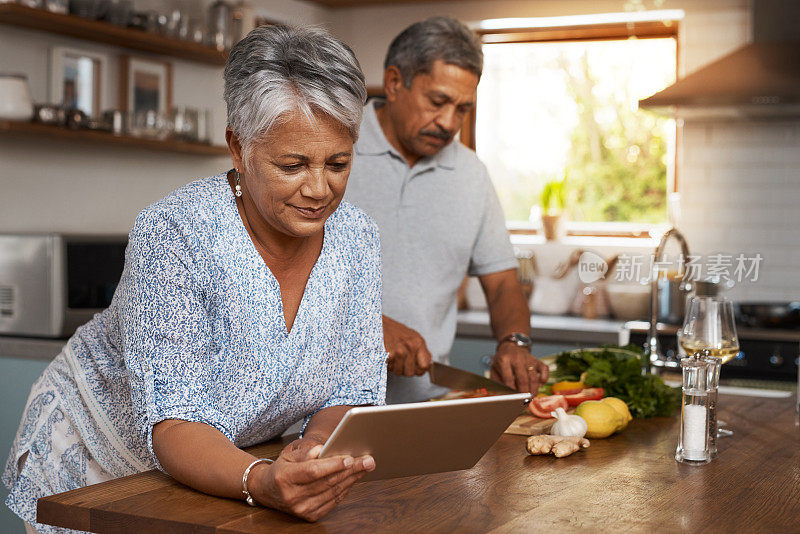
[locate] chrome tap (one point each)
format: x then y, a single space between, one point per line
652 348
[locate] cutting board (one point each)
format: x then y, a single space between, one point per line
524 425
528 425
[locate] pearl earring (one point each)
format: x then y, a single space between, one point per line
237 187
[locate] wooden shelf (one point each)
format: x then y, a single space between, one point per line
103 32
26 129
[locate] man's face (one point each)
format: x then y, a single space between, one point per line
427 115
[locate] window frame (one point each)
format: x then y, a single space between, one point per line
592 32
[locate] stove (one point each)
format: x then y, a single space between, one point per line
767 354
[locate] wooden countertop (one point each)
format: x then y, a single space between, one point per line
629 482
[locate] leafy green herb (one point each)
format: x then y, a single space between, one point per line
618 370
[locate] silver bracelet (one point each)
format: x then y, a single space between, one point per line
245 491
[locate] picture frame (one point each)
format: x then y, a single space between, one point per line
78 79
145 85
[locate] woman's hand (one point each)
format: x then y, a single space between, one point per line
302 484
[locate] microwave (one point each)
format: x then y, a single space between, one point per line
50 284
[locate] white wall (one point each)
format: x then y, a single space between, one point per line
740 192
739 181
369 30
58 185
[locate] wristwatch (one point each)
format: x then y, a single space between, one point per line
517 338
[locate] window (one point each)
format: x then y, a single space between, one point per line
555 103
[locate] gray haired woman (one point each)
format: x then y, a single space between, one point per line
250 300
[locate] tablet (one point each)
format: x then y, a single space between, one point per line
424 437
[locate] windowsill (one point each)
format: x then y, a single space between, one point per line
586 241
622 229
590 234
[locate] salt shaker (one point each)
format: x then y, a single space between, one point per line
693 447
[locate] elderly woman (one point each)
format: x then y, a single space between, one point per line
249 301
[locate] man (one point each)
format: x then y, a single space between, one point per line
438 213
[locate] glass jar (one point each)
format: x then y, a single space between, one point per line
219 25
57 6
243 20
204 126
184 123
119 12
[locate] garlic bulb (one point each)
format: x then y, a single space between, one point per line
568 425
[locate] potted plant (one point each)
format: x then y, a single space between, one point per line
553 201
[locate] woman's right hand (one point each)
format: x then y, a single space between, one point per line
303 485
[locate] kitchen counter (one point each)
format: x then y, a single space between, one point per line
743 332
549 328
33 348
628 482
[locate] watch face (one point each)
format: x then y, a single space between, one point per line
522 340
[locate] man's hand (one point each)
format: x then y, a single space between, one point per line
408 354
517 368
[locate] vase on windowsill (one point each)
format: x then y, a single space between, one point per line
553 226
552 201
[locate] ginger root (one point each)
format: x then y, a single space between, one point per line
560 446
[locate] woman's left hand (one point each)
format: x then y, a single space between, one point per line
303 485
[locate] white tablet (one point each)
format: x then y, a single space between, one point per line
424 437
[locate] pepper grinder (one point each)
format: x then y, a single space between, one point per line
712 378
693 446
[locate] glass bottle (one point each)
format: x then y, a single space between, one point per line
243 20
219 25
693 446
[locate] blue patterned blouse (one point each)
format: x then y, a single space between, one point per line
196 332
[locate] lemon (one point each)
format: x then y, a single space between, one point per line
621 407
601 418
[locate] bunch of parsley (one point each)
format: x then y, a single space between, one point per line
618 370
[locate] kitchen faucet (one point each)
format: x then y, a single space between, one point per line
652 348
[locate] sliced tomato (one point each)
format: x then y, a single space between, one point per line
542 406
585 395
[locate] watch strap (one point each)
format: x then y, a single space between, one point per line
517 338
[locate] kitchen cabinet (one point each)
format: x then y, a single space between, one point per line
468 353
16 378
551 334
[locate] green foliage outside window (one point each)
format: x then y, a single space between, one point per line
617 168
546 110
